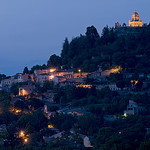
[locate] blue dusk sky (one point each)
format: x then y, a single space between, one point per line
32 30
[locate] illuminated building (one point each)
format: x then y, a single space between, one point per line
135 20
26 90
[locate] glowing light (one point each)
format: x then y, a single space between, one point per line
51 77
17 110
84 86
52 70
25 140
79 70
125 115
21 134
23 92
50 126
119 132
116 69
134 82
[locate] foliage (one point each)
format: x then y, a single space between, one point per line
54 61
26 70
131 51
19 104
63 121
87 124
35 103
2 77
33 122
38 67
4 100
48 85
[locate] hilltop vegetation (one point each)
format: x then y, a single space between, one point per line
131 51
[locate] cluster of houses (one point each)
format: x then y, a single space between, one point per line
64 77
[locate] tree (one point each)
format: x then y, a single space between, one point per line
26 70
87 124
2 77
4 101
145 145
92 35
15 89
19 104
38 67
63 121
48 85
54 61
39 121
36 103
6 117
65 51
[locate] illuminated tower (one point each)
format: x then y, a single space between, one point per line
135 20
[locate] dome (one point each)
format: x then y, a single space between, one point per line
135 16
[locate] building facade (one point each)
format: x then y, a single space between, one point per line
135 22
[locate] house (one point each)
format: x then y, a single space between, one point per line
44 71
65 73
44 75
132 108
16 79
114 87
48 139
28 77
41 78
86 141
58 79
48 112
75 111
26 90
48 96
80 75
6 83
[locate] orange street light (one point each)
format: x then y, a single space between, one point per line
21 134
51 77
52 70
79 70
25 140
